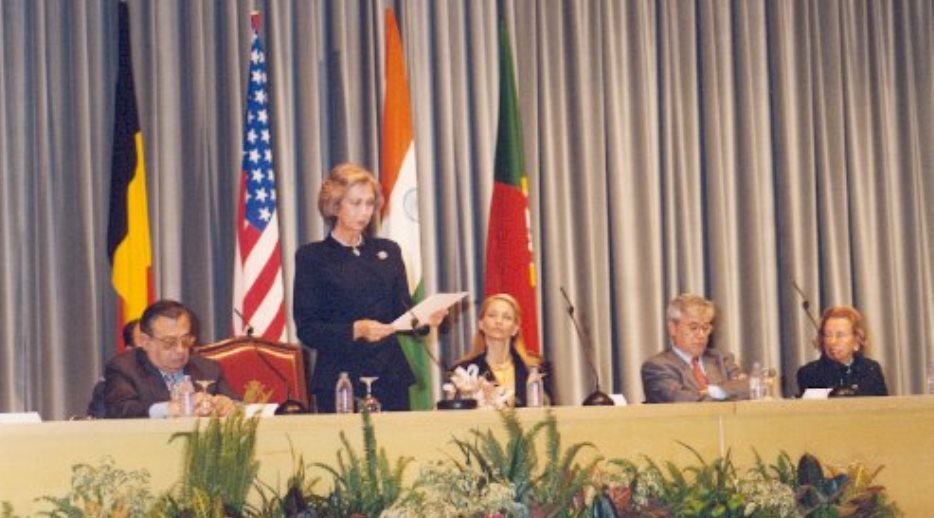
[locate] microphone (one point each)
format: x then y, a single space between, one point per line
289 406
597 397
249 328
806 305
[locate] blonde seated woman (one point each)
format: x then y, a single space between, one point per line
499 349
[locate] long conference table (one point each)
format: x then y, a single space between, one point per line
894 432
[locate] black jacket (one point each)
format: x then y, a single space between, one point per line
521 374
863 376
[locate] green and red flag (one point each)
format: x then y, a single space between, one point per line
510 267
128 244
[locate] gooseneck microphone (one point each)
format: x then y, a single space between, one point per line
597 397
289 406
806 305
243 321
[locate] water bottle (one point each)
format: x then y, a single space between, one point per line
931 377
534 392
756 385
343 395
185 391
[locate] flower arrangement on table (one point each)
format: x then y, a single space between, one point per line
469 384
524 473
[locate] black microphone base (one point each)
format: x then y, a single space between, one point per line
291 407
457 404
598 398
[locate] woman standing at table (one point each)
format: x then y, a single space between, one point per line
348 289
499 349
843 365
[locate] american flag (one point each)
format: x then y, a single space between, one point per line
258 288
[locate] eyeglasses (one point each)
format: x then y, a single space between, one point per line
170 342
840 335
704 329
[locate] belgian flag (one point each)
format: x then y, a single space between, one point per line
128 243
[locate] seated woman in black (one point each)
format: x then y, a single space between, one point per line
843 366
499 349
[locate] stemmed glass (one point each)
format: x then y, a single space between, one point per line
205 385
370 403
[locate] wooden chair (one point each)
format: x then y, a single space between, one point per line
272 371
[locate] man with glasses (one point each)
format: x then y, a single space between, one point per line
688 370
140 381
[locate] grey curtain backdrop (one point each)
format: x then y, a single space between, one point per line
730 149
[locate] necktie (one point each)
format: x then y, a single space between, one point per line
698 373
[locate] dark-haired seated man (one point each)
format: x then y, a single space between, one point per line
139 382
97 408
689 370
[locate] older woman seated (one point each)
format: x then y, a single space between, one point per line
843 366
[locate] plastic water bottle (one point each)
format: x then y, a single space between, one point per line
186 397
343 395
756 385
534 392
931 377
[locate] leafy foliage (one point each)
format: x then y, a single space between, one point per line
489 466
219 467
521 473
101 491
366 485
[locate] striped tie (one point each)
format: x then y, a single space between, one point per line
698 373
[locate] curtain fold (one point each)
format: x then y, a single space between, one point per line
739 150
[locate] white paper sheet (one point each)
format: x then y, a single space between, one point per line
264 410
424 309
816 393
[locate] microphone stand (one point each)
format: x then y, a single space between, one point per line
806 305
597 397
289 406
443 404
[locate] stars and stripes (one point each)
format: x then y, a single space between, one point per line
258 287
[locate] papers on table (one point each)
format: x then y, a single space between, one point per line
419 315
19 417
816 393
264 410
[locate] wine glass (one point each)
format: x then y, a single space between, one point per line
205 405
370 403
205 385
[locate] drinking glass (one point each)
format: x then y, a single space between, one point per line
370 402
769 377
205 385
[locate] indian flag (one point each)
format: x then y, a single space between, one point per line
400 189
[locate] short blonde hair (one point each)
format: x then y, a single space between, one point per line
689 303
860 330
343 177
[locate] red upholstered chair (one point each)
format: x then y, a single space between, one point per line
251 364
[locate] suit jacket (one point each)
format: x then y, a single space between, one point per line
334 287
666 378
132 383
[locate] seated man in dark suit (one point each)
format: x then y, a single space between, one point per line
139 382
689 370
97 408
